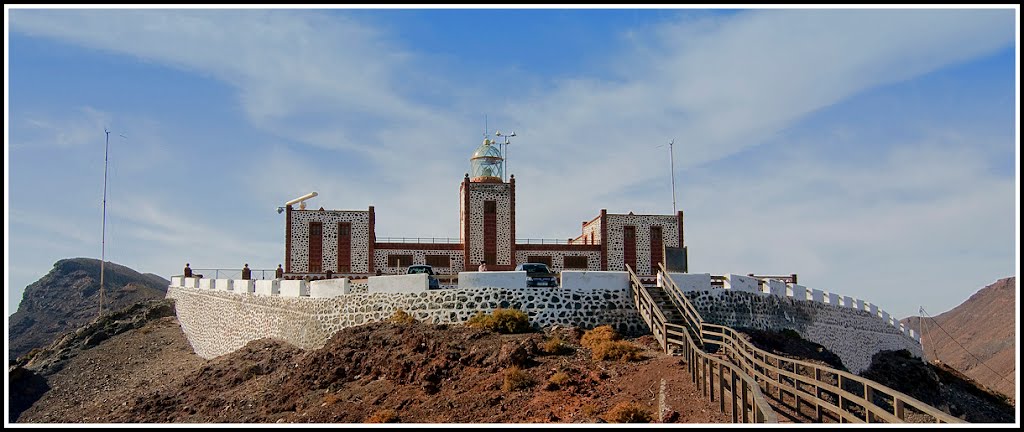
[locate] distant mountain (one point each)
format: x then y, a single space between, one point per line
985 326
68 297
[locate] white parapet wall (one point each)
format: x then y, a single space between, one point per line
329 288
818 295
690 281
177 281
741 283
206 283
294 288
777 287
849 302
409 283
268 287
833 299
594 280
223 284
798 292
191 282
492 279
860 305
242 286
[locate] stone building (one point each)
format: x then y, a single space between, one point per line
345 241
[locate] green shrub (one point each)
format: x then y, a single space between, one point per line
598 335
516 379
501 321
402 317
617 350
628 412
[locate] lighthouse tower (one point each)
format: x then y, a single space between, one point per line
487 213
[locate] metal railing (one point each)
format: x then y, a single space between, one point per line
843 396
232 273
446 240
542 241
747 404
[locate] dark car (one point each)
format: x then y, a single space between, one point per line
423 268
538 274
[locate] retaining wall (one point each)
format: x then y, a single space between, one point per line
219 322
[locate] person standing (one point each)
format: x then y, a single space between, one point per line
279 273
246 273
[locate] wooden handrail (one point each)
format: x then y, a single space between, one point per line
748 359
748 403
741 347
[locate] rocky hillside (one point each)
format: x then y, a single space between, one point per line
68 297
983 325
378 372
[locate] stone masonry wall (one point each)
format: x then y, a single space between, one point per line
360 245
616 255
219 322
854 335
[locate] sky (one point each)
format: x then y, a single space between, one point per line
873 152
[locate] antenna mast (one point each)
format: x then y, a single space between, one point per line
672 159
103 239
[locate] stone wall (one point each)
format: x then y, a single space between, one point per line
503 197
852 334
616 255
219 322
360 241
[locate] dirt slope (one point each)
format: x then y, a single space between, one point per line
409 373
984 324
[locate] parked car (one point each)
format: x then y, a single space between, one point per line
423 268
538 274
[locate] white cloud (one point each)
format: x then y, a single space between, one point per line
74 129
718 85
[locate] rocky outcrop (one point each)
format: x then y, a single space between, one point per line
68 297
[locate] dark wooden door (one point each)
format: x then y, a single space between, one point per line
316 247
629 246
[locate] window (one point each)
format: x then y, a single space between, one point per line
576 262
439 260
489 207
344 229
399 260
491 257
546 259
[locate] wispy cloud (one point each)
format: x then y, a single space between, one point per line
340 108
73 129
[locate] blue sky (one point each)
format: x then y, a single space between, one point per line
872 152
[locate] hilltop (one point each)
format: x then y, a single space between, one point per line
68 297
983 325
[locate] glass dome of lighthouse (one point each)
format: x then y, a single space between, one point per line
485 165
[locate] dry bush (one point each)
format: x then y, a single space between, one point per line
599 334
558 380
331 399
516 379
383 416
402 317
617 350
501 321
555 345
511 321
628 412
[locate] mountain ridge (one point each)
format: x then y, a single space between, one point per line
67 297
